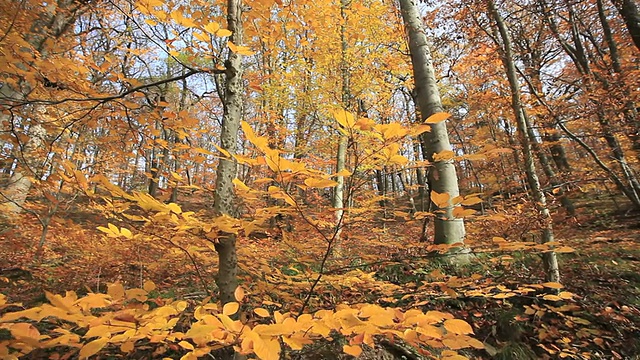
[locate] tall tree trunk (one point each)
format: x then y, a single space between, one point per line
549 258
227 278
443 177
341 156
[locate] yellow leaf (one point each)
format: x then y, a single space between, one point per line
127 346
417 130
116 291
230 308
430 331
181 305
223 33
458 327
344 118
238 294
440 200
25 332
138 294
240 185
552 297
212 28
343 172
437 117
224 152
354 350
267 349
565 295
93 347
319 183
174 208
261 312
126 233
186 345
553 285
149 286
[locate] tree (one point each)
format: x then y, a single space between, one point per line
549 257
227 280
442 175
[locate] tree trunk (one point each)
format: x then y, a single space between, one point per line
630 12
443 177
549 258
341 156
227 279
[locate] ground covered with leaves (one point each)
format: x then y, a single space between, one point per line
496 305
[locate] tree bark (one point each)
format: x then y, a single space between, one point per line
443 177
549 258
227 278
630 12
341 156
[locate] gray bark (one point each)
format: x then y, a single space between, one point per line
227 279
442 177
341 156
549 258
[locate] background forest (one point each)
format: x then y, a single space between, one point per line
281 179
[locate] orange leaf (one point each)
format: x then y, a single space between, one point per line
553 285
92 348
239 294
230 308
354 350
457 326
437 117
441 200
261 312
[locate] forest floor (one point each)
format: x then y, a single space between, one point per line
596 314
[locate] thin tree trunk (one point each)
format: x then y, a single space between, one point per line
549 258
442 177
227 278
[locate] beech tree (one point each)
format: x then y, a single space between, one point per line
442 175
550 260
224 203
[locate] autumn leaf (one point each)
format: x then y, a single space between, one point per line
457 326
553 285
149 286
116 291
93 347
344 118
212 28
437 117
440 200
261 312
238 294
354 350
319 183
230 308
